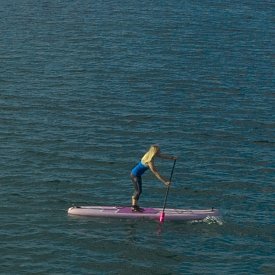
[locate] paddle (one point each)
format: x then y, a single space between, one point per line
161 218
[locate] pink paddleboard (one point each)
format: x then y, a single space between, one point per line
148 213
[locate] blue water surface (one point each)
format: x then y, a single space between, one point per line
87 86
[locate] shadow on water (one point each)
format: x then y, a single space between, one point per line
135 228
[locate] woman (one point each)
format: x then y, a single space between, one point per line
147 162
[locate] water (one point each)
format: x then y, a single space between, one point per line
87 86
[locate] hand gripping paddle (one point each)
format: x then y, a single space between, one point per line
162 215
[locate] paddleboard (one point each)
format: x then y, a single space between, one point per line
148 213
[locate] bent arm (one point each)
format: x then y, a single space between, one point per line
163 156
156 173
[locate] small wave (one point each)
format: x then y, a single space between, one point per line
210 220
265 142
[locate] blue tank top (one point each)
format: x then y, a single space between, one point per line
139 169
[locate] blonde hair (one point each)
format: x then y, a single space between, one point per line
151 153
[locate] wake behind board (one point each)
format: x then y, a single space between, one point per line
148 213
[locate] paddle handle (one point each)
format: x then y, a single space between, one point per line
162 215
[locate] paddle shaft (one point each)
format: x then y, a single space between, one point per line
167 192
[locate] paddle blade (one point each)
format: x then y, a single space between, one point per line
161 218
